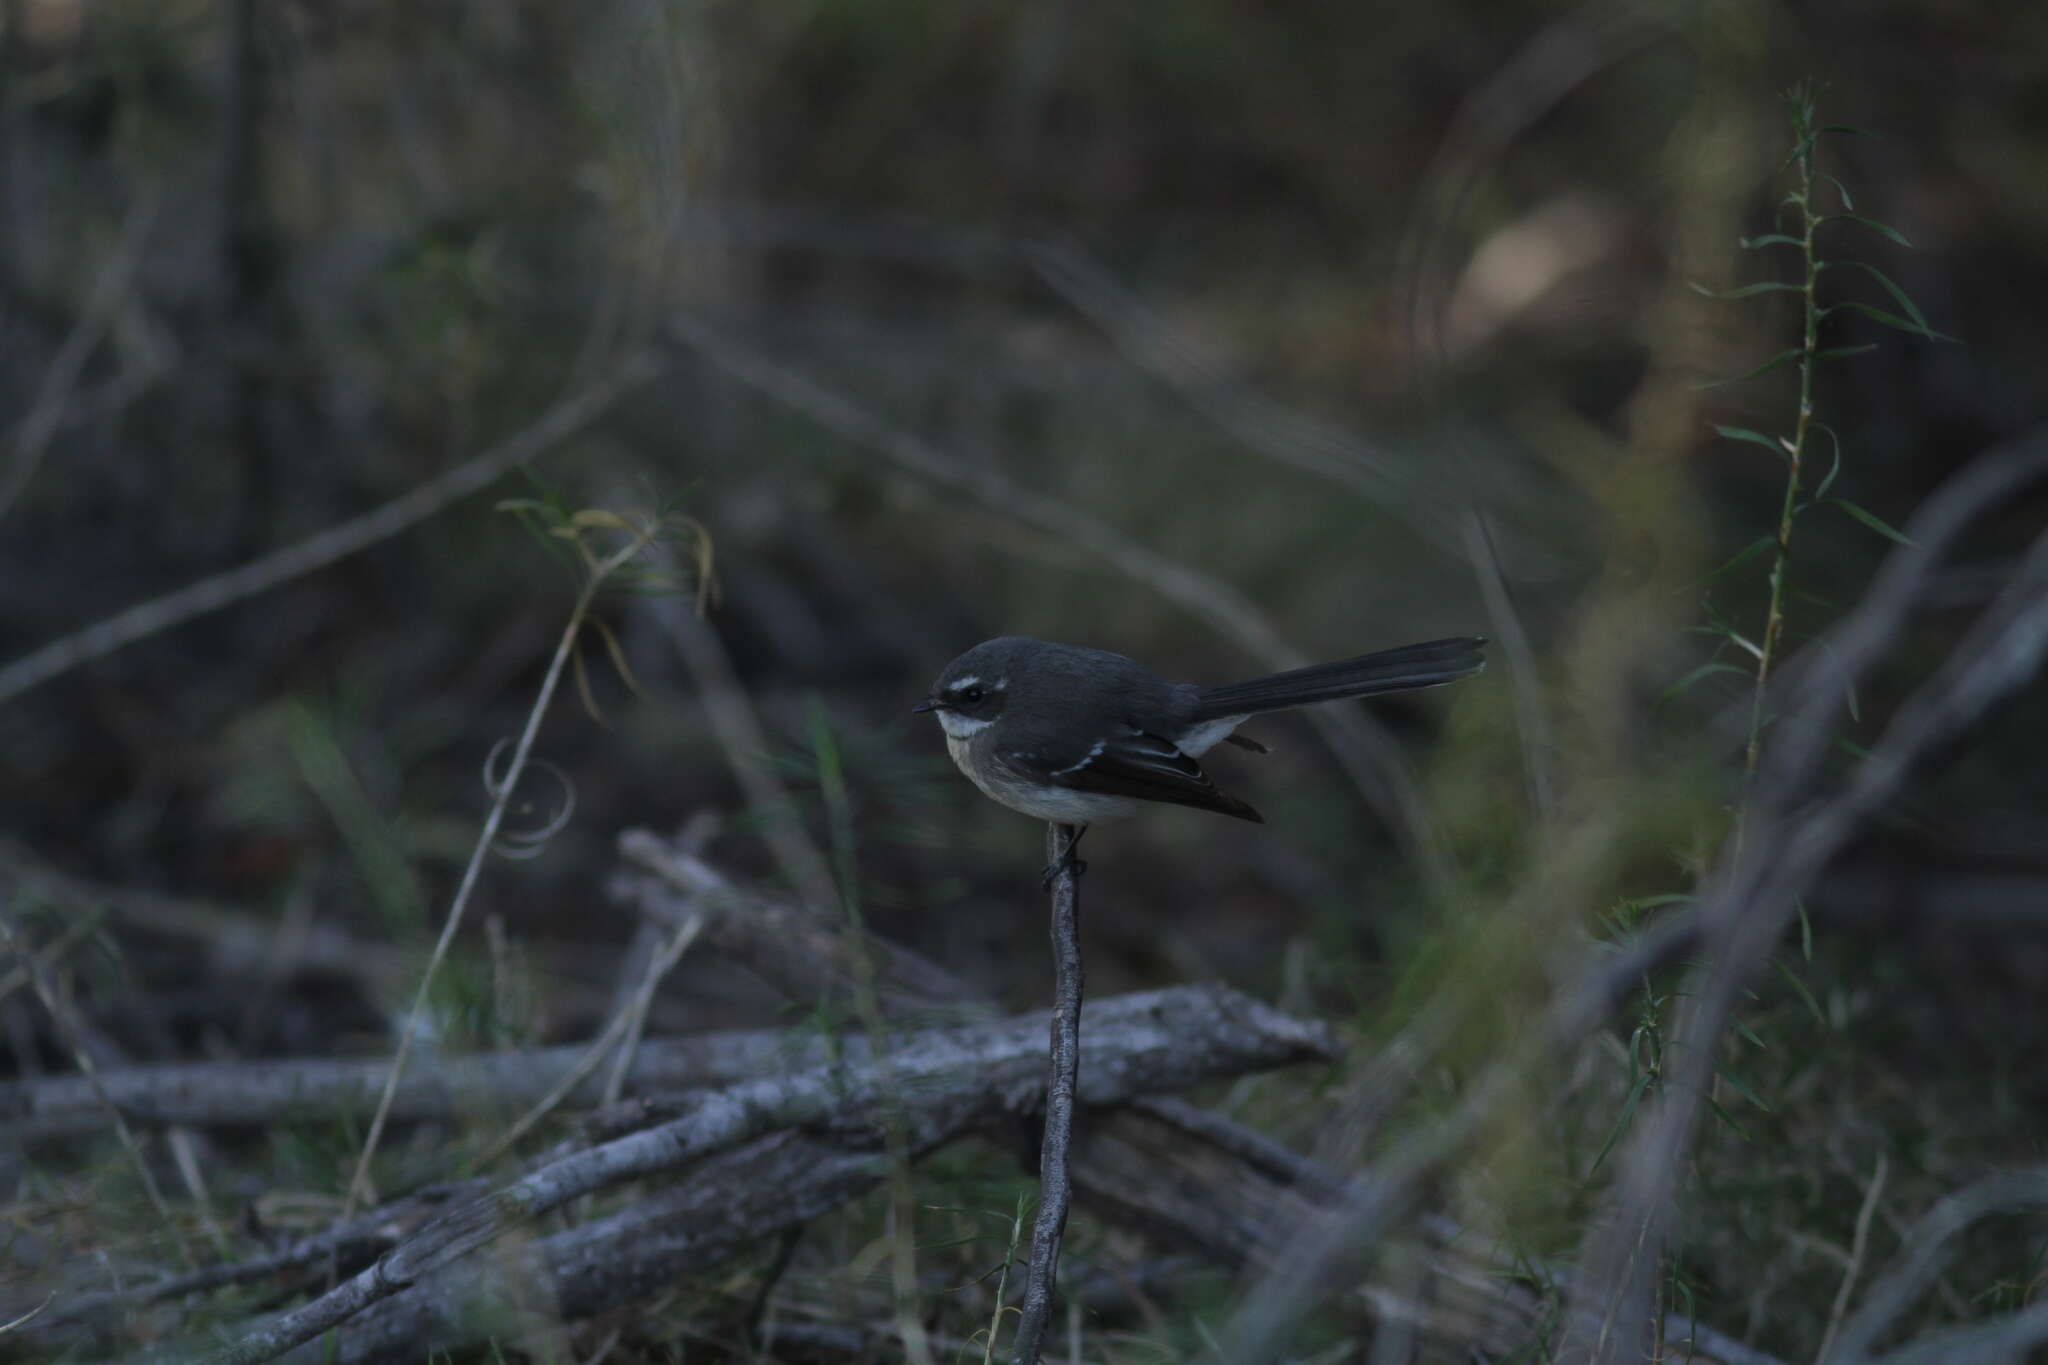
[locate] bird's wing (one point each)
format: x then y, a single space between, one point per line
1136 763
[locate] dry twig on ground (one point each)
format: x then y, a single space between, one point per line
949 1080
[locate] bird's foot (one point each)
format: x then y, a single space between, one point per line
1066 862
1053 870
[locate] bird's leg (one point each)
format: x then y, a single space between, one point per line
1065 861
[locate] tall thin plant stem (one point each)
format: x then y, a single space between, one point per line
1062 1079
501 798
1795 448
67 1029
867 1003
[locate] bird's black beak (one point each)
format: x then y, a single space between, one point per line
928 704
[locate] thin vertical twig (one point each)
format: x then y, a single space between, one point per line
1857 1249
67 1029
1053 1193
1795 448
60 381
845 872
620 1036
501 797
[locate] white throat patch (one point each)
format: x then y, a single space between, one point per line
958 726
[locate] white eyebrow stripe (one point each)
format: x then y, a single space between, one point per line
1086 759
962 684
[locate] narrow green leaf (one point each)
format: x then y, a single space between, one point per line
1628 1109
1755 438
1885 228
1833 352
1741 556
1799 988
1899 296
1703 671
618 657
1733 637
1748 290
583 687
1853 749
1727 1118
1840 189
1834 468
1888 319
1805 929
1773 363
530 516
1769 239
1872 520
1735 1084
1849 696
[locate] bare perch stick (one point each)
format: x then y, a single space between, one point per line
1061 1080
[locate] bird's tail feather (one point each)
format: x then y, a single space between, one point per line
1390 670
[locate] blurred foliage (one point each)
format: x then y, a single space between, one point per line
1414 268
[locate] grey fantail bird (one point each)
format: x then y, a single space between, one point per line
1076 735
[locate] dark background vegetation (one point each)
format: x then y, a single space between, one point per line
1285 294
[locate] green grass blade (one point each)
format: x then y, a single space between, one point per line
1899 296
1890 320
1872 520
1884 228
1833 469
1781 358
1628 1109
1755 438
1706 670
1747 290
1741 1088
1799 989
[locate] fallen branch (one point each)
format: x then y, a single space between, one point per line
949 1080
250 1094
350 1243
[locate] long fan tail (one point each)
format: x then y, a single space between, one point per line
1390 670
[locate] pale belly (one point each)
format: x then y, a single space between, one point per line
1056 804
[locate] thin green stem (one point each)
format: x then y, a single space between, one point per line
868 1006
1795 452
67 1028
600 570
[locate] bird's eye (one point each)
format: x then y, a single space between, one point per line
972 694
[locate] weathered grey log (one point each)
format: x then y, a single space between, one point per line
214 1094
946 1081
